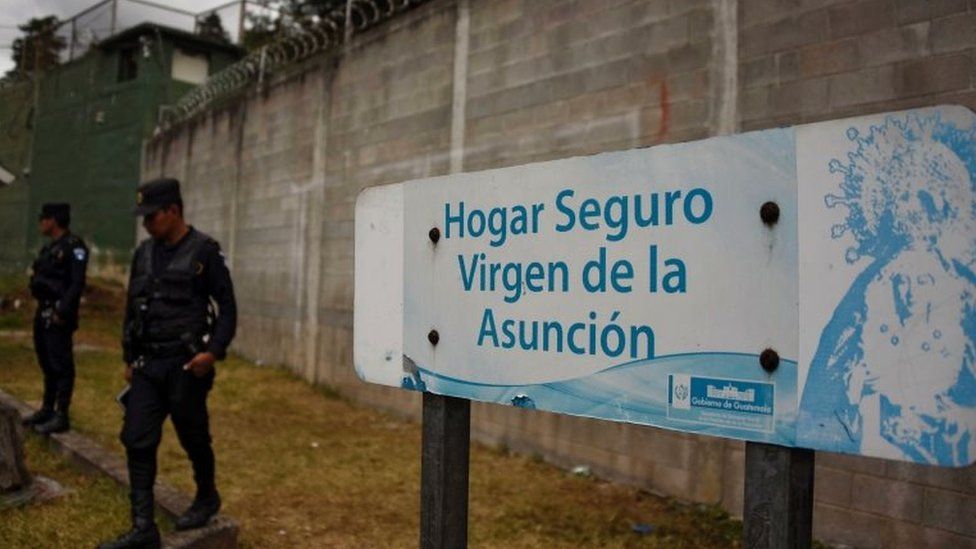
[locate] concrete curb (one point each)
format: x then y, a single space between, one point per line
222 531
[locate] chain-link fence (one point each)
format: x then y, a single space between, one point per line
108 17
325 31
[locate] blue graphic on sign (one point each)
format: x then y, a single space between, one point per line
726 402
752 402
902 184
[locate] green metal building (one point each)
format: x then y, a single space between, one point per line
16 101
82 142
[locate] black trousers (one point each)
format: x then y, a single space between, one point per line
162 388
53 346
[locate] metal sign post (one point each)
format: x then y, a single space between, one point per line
445 450
444 472
778 508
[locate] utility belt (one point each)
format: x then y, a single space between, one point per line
186 345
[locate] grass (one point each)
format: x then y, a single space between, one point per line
93 509
298 466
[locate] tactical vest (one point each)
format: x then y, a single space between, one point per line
172 312
51 269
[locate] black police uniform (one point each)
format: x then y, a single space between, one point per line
180 303
168 320
57 282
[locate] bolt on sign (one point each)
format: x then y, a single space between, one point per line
812 286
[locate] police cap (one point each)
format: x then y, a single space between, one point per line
58 211
157 194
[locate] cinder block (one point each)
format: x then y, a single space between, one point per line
785 34
863 86
907 535
708 466
599 460
690 56
843 526
605 435
899 500
634 69
755 12
799 97
681 6
832 486
633 470
913 11
954 33
829 58
959 479
894 44
669 480
513 99
950 511
666 34
701 24
759 71
854 464
629 97
934 75
860 17
667 449
688 114
733 489
788 66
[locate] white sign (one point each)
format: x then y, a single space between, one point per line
642 286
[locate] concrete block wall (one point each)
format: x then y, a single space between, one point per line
478 84
803 61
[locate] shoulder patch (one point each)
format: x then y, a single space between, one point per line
80 254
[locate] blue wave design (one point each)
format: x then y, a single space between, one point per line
636 392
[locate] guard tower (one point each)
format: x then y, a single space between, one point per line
92 114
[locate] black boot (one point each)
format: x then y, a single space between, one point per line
58 423
200 512
144 533
39 417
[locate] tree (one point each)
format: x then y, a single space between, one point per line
274 18
260 28
305 13
38 49
212 27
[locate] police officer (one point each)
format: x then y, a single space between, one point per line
57 281
180 317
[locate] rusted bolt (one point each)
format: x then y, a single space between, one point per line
769 360
769 213
433 337
434 234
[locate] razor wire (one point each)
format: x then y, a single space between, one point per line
326 34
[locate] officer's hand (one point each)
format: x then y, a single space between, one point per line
201 364
56 319
127 374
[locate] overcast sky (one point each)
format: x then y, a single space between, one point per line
16 12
